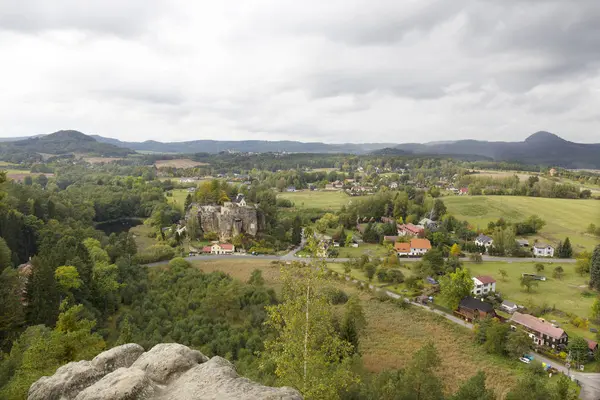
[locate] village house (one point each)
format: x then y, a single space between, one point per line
463 191
543 250
394 185
483 284
217 248
509 306
484 241
541 331
592 346
416 247
472 309
240 200
410 230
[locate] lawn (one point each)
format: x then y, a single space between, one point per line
567 294
323 200
178 197
142 240
178 163
564 217
372 250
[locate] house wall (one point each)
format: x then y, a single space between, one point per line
540 339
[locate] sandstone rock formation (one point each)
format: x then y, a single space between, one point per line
226 221
168 371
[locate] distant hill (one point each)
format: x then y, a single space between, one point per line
543 148
63 142
251 146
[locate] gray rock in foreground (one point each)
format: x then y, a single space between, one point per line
168 371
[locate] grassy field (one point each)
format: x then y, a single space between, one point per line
329 201
178 198
178 163
564 217
567 294
142 240
372 250
393 335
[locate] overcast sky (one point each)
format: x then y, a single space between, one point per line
334 71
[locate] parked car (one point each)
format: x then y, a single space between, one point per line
525 360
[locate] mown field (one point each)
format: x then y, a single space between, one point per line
564 217
568 294
178 197
178 163
323 200
393 335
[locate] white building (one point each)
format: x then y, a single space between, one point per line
543 250
483 285
484 241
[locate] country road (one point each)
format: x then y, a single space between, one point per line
291 257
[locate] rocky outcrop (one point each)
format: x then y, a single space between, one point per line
226 221
168 371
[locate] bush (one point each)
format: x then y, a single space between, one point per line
155 253
335 295
211 236
285 203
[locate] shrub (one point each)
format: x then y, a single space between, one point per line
211 236
155 253
335 295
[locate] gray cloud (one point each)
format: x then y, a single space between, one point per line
339 71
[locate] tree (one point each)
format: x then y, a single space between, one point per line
67 278
420 380
370 270
595 269
42 180
562 389
455 250
353 323
528 282
11 309
596 309
531 386
256 278
476 258
42 294
558 272
517 343
297 231
474 389
504 274
5 255
455 286
495 338
578 349
564 249
192 227
439 209
187 203
306 351
584 261
539 267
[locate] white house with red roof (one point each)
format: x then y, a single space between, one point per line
483 284
219 248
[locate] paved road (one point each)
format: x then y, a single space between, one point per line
291 257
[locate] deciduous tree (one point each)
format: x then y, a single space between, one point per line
595 269
455 286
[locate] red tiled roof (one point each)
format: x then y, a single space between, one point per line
591 344
206 249
411 228
420 244
485 279
402 247
226 246
537 325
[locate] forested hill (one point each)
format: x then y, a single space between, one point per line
541 148
62 142
250 146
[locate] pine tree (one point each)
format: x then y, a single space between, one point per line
188 202
595 269
42 294
566 251
474 389
297 231
5 255
11 309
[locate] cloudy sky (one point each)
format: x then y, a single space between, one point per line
333 71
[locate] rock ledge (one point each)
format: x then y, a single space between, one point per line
168 371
